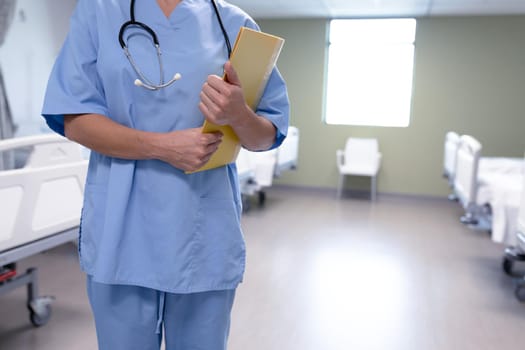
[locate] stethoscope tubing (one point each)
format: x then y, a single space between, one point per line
143 81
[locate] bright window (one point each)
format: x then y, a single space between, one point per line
370 69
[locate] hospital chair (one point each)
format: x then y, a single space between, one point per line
517 252
40 205
449 160
360 157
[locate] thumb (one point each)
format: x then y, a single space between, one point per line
231 74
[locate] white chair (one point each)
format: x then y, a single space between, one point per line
360 157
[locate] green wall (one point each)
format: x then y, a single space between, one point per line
469 77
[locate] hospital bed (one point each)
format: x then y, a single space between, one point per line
288 152
257 170
517 252
40 204
488 188
449 160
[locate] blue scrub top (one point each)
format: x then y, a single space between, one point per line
145 222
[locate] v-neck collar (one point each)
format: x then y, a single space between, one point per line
172 11
179 13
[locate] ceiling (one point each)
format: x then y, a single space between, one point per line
377 8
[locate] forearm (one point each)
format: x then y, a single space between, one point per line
107 137
256 133
187 149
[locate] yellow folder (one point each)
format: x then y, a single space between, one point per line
253 57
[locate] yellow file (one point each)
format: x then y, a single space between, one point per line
253 57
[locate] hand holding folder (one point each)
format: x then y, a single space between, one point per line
253 57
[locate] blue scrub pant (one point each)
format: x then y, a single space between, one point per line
131 318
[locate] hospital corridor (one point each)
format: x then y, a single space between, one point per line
375 202
398 274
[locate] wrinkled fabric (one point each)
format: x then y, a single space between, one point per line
145 222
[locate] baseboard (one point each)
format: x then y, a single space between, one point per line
352 193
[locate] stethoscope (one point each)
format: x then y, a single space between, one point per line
143 81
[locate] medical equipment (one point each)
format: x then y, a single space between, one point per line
143 81
40 205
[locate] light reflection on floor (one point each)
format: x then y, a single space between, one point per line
353 295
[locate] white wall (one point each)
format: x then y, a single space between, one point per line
27 56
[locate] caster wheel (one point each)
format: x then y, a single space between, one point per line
507 266
262 198
40 319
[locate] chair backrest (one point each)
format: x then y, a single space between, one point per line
466 176
449 154
361 150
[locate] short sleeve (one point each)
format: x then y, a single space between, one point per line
274 104
74 86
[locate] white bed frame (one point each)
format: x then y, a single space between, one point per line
256 170
449 155
489 190
288 152
517 253
466 176
40 205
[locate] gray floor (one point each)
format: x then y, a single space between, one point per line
397 274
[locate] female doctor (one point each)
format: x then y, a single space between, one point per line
163 250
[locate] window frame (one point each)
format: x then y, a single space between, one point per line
400 44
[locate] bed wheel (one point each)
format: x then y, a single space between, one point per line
507 266
245 203
520 292
40 311
262 198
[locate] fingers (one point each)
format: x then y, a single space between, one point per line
208 103
231 74
215 83
202 156
211 138
220 100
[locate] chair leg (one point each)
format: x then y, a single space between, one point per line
374 188
340 185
